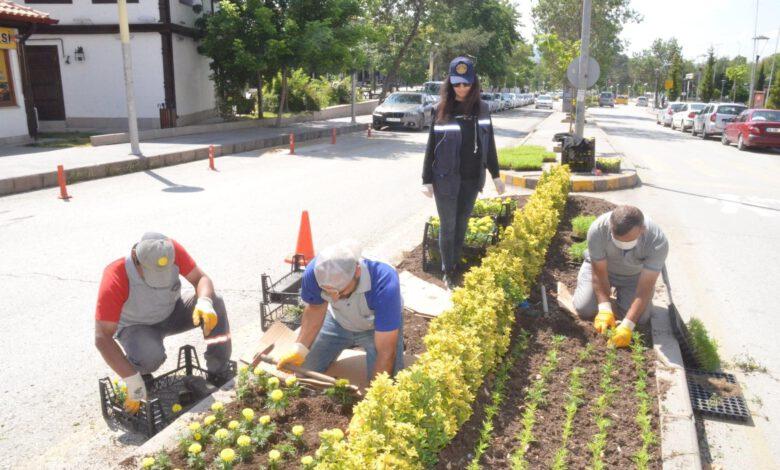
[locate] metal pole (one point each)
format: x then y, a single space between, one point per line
753 71
352 104
579 125
430 65
124 36
774 57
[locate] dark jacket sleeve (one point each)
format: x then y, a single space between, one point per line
427 173
492 156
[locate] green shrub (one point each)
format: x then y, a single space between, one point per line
608 165
706 348
524 157
577 251
581 224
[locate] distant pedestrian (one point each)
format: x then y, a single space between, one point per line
461 145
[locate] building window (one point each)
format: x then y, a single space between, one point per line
7 96
112 1
48 1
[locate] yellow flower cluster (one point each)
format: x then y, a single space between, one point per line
405 423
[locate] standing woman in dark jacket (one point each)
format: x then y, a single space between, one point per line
461 146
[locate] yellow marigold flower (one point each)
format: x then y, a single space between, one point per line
227 455
197 436
342 382
259 371
217 406
337 434
243 369
233 424
194 448
265 419
209 420
123 387
307 460
194 426
244 441
277 395
273 382
274 455
290 381
147 462
248 414
222 433
176 408
297 430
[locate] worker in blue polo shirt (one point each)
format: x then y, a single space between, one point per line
350 301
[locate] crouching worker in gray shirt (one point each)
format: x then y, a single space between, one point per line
626 250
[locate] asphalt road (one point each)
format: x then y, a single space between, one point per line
720 209
237 223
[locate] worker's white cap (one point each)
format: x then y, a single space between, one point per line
335 265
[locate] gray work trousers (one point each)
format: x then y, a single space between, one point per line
585 301
143 344
454 213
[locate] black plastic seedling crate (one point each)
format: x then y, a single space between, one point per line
164 391
287 289
709 401
431 259
288 314
505 216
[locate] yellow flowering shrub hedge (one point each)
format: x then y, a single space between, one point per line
405 423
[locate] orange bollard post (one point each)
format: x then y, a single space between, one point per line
292 144
305 245
61 180
211 157
333 136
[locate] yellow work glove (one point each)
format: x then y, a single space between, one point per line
136 391
622 336
605 318
204 310
295 354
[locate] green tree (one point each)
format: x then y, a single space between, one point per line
761 77
564 17
706 88
555 58
675 75
737 75
773 100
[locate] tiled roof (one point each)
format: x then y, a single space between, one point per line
14 12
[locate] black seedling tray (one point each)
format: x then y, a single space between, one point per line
708 401
285 313
431 258
164 391
505 217
286 290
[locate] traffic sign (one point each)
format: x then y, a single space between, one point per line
573 71
668 84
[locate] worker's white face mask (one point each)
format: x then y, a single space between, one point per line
625 245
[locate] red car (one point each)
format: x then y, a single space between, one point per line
753 128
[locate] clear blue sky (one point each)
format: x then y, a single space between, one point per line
727 25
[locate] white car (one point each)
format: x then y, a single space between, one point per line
544 101
683 118
641 101
664 114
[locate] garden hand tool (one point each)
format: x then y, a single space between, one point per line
136 391
605 319
204 310
622 336
300 370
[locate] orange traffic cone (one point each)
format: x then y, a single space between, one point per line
305 246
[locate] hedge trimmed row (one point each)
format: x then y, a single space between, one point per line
405 423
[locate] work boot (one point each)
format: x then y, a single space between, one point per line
449 281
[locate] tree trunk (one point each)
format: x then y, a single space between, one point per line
373 83
283 98
260 97
391 74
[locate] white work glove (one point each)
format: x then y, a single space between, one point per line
136 391
204 310
427 190
294 354
500 187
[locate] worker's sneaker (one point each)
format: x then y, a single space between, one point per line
449 282
219 379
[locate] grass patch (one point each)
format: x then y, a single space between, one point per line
577 251
706 348
524 157
608 165
748 364
62 139
581 224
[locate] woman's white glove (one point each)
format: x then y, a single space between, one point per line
427 189
500 187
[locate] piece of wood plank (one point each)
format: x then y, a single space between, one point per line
422 297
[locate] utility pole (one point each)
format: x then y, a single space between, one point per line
774 57
352 101
579 123
124 36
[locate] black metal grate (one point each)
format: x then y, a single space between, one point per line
709 401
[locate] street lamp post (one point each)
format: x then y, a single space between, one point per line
756 38
431 56
722 85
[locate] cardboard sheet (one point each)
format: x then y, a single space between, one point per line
422 297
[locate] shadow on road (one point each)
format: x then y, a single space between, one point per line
643 133
173 187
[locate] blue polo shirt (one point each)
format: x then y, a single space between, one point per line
384 297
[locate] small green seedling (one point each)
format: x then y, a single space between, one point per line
581 224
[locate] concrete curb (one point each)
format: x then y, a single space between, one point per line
679 441
20 184
625 180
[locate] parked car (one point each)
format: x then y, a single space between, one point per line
433 89
510 103
712 119
665 113
606 98
683 119
544 101
404 109
641 101
753 128
621 99
490 99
